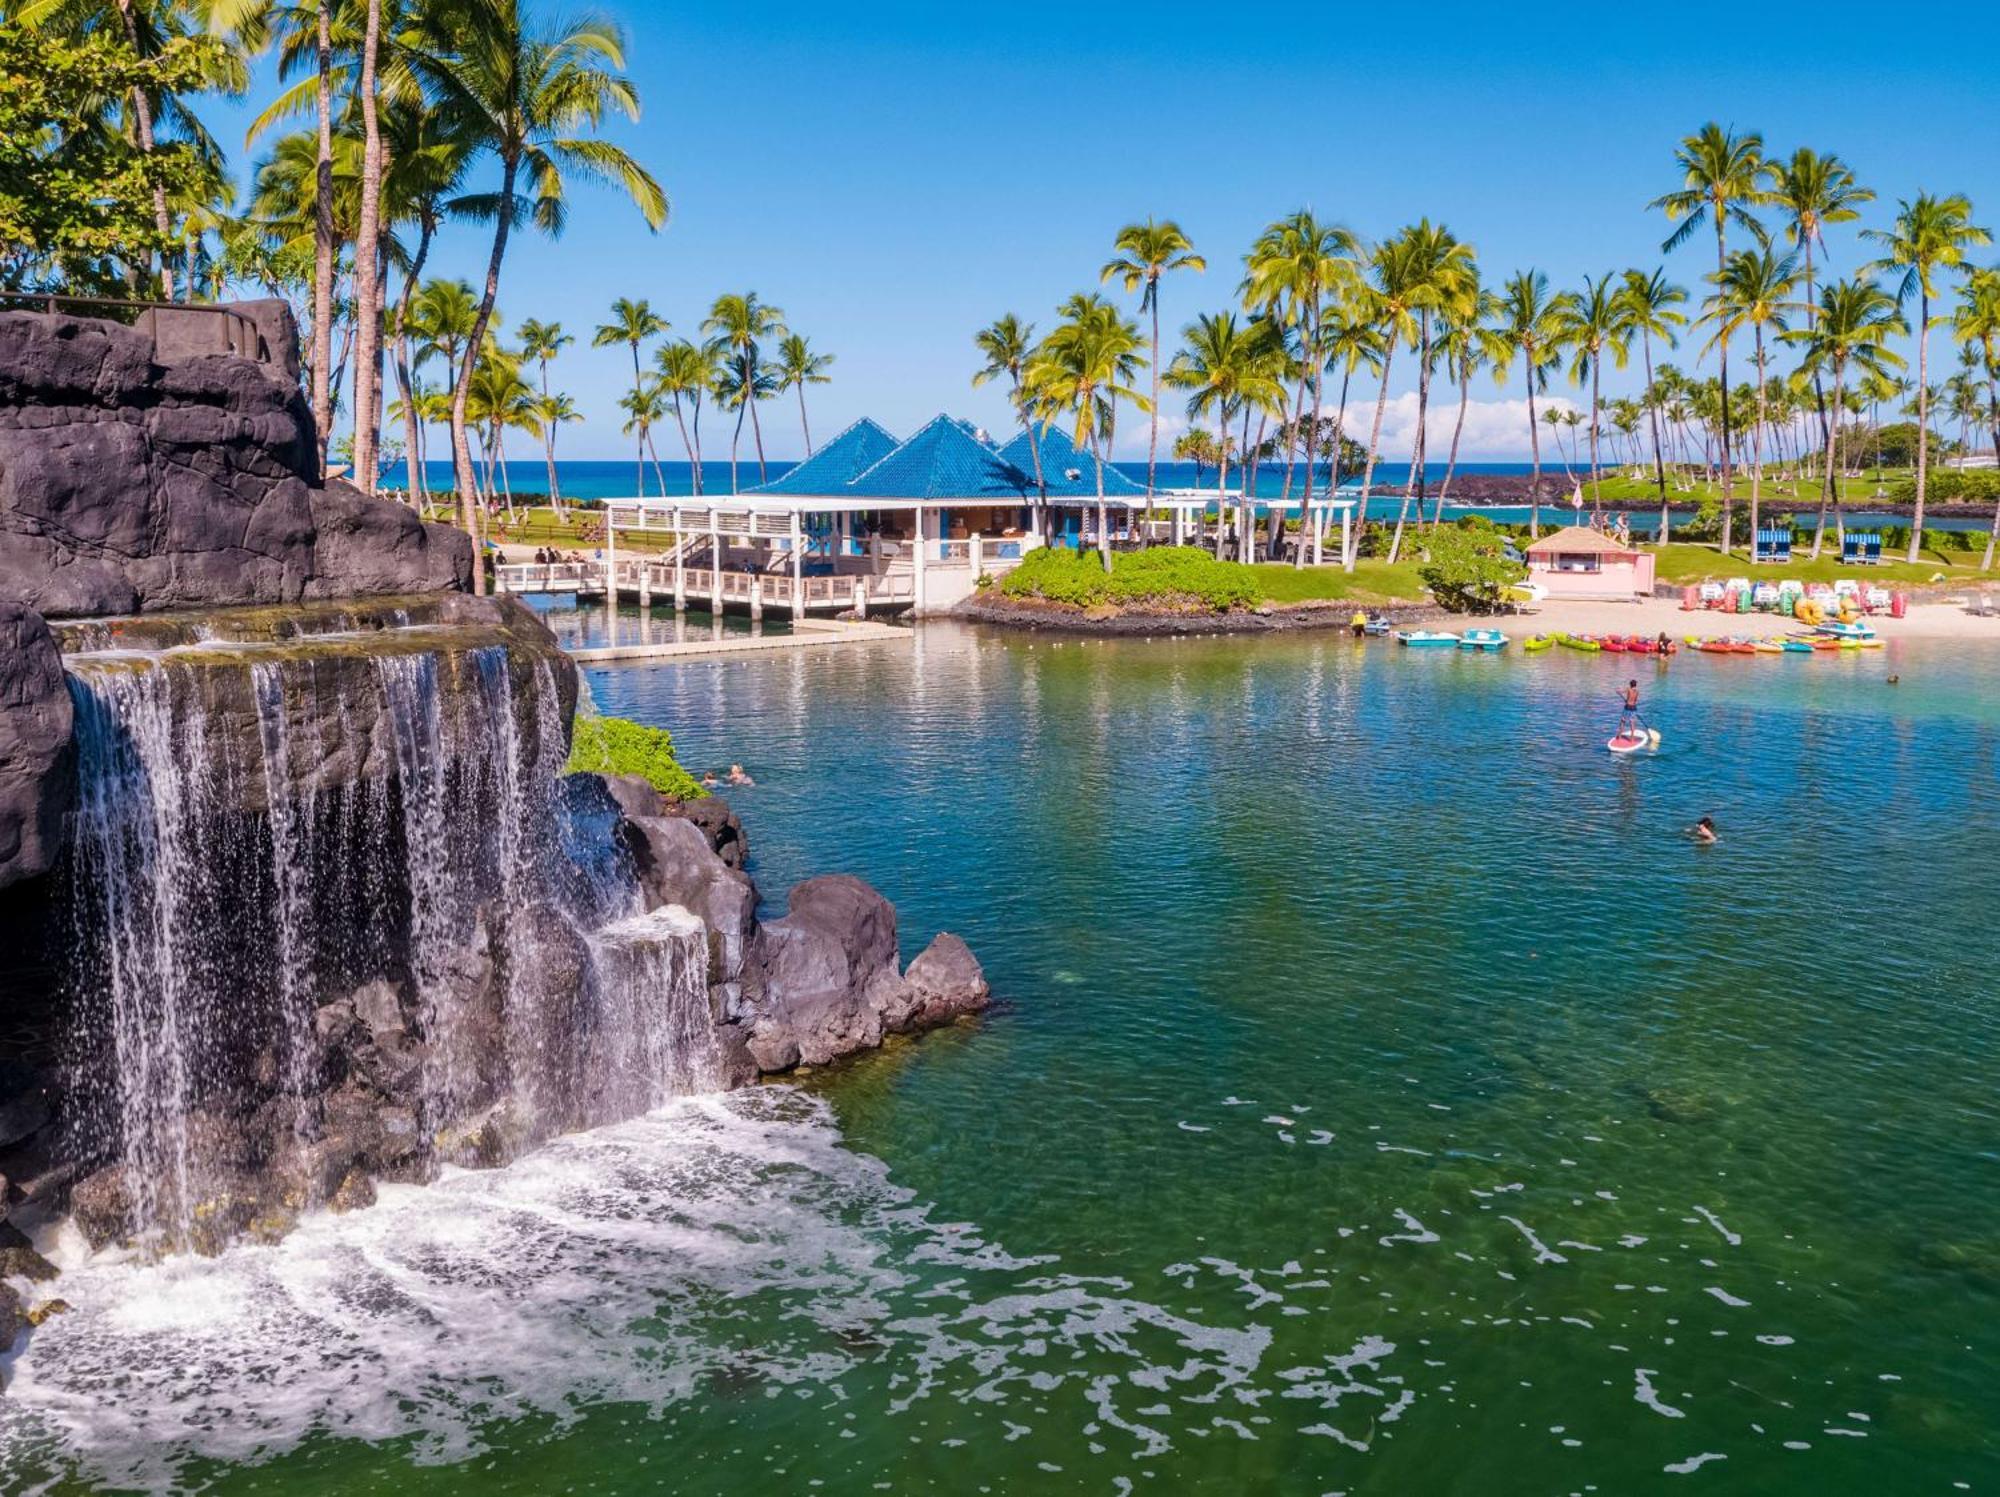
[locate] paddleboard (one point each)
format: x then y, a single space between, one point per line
1629 743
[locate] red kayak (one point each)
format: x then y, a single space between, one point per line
1613 643
1640 646
1716 647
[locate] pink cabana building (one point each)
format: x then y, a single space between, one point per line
1575 562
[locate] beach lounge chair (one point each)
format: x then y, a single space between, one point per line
1773 545
1861 548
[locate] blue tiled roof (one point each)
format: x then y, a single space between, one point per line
942 461
834 466
1060 458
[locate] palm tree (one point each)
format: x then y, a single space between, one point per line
689 372
1752 291
1812 191
740 321
534 99
1007 343
1931 234
551 411
1856 319
735 388
1349 341
1467 344
1722 177
1437 277
632 323
1977 327
1530 327
439 322
1297 271
1650 302
540 342
1082 366
1146 252
797 367
499 400
644 405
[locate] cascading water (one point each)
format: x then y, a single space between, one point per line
270 836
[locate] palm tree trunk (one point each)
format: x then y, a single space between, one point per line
681 422
1457 431
1535 446
500 460
1221 481
1339 437
659 468
756 426
367 264
805 426
1315 367
1832 435
1757 449
323 245
1923 419
1728 471
1103 525
1153 440
1374 446
1993 406
1596 464
639 462
736 440
1659 462
461 452
142 120
700 478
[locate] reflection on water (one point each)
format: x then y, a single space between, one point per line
579 626
1384 1097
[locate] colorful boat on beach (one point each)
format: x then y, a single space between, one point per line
1426 637
1482 639
1579 642
1534 644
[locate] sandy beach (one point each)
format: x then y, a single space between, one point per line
1928 620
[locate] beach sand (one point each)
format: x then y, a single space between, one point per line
1651 616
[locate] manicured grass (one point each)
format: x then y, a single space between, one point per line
539 527
1682 563
1371 582
1787 496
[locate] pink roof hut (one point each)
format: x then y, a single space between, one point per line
1578 563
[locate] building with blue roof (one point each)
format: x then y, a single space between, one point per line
868 522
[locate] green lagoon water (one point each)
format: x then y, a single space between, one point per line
1383 1097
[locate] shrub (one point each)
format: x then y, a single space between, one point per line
1951 486
1163 576
616 745
1467 570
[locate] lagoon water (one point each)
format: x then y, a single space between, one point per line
1383 1097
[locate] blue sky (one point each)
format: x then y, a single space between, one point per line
895 175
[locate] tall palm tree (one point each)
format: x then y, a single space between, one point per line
1754 291
1467 343
738 386
534 98
798 366
1007 343
1855 321
742 322
1811 191
1596 327
540 342
1146 252
1931 235
1650 311
645 406
1531 328
1083 366
1437 277
1350 341
632 323
1977 327
1298 269
688 373
551 411
1722 179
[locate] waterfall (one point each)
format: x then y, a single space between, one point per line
265 832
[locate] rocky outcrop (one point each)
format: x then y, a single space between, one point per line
138 475
36 784
820 983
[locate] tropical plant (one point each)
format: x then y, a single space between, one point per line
1145 253
1753 290
1531 329
540 342
533 98
632 323
798 366
1007 343
688 373
1651 303
1931 235
1977 329
742 322
1083 366
1219 367
1722 179
1855 320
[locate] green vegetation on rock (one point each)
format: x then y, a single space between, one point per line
1468 570
616 745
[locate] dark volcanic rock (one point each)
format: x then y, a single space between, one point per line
36 755
13 1319
945 982
132 480
719 823
818 981
101 1207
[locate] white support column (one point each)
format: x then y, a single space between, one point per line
1347 536
798 567
1316 519
756 598
680 564
714 564
973 550
918 606
860 598
610 559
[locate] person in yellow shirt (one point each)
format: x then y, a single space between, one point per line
1360 622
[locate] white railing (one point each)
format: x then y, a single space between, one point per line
546 577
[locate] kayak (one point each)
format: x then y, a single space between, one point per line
1715 647
1796 647
1579 642
1614 644
1535 643
1638 646
1769 647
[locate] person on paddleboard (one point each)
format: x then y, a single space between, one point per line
1629 723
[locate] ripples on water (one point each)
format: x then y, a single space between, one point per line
1385 1097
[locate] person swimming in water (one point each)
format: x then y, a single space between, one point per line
1703 831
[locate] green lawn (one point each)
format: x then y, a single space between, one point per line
1681 563
1371 582
1789 496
